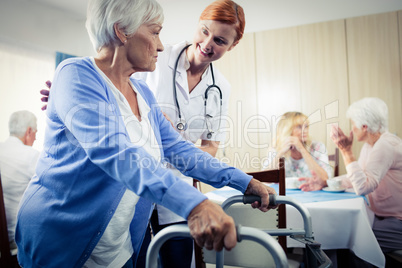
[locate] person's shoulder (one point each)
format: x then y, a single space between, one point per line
77 65
14 143
167 50
170 53
79 61
392 138
389 141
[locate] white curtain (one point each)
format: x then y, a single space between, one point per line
23 73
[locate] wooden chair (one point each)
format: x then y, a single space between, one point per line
269 176
6 259
335 158
276 176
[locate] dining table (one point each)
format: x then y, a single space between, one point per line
340 220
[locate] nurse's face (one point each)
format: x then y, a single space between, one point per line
212 40
143 47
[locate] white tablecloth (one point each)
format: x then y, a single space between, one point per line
337 224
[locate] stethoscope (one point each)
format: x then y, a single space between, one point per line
181 125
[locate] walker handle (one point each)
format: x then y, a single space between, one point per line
249 199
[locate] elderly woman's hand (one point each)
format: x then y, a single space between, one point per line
343 142
211 227
255 187
314 183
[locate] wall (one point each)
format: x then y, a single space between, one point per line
318 69
30 34
37 26
61 28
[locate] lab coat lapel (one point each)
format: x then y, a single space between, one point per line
202 85
181 77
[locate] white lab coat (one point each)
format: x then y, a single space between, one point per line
191 104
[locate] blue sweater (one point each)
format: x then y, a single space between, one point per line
87 164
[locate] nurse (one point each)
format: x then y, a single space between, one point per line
194 96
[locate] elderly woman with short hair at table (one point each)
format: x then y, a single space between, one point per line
377 173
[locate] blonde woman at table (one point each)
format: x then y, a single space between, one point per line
303 157
378 172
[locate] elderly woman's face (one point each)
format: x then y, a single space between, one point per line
359 133
143 47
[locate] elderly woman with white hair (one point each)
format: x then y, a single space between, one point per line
378 172
106 148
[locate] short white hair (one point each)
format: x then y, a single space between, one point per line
19 122
372 112
129 15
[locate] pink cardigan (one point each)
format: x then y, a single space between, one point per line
378 173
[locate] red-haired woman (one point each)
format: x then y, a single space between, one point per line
181 83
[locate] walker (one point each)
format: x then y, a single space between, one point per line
315 257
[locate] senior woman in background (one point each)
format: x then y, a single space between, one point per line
105 144
303 157
378 172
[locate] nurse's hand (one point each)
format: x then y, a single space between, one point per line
211 227
45 94
255 187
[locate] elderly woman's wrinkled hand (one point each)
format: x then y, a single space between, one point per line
255 187
343 142
211 227
314 183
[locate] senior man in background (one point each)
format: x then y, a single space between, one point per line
17 164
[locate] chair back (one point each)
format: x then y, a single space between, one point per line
335 158
276 176
6 259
